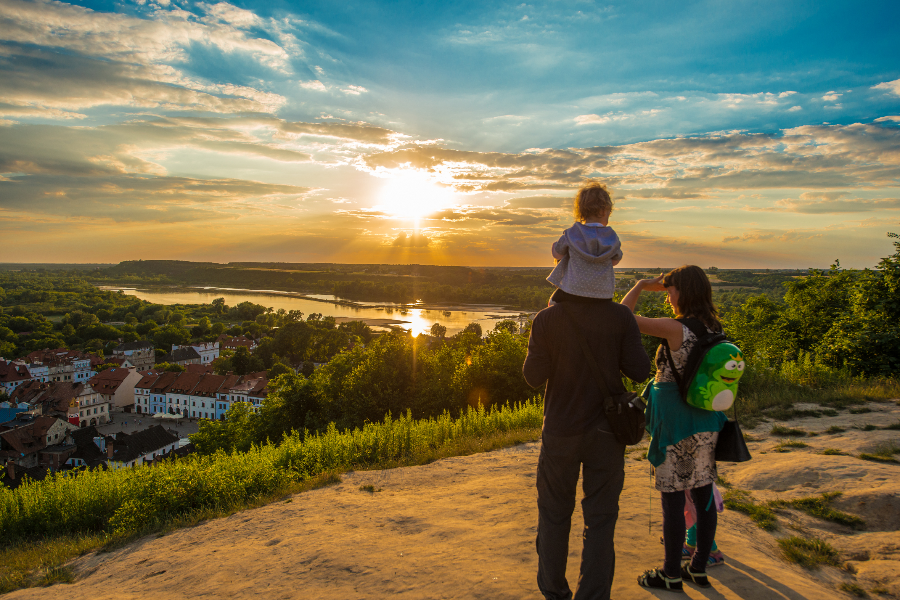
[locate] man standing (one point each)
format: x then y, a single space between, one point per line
575 432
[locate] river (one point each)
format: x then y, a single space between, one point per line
379 315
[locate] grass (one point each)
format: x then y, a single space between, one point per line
784 413
854 589
883 452
894 426
835 429
781 430
808 553
820 507
866 427
786 446
878 458
766 391
45 524
369 488
742 501
860 411
832 452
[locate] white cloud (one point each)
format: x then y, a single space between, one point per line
831 96
598 120
355 90
315 84
795 108
891 86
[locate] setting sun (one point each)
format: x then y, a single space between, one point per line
412 194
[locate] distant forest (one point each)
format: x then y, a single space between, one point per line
522 288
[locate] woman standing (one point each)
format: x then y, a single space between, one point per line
683 438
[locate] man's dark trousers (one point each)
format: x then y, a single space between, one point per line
559 464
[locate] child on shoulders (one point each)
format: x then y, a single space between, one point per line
589 249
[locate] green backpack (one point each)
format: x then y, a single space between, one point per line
712 371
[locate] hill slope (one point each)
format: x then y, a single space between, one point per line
464 528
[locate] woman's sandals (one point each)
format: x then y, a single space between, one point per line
698 578
656 579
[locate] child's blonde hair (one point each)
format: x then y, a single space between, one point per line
592 200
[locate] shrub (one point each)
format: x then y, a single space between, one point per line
760 514
820 507
781 430
808 553
128 501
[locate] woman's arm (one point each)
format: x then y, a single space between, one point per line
669 329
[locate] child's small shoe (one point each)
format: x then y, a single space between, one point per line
687 552
716 558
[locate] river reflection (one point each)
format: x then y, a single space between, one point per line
419 319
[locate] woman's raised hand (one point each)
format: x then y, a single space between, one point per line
653 285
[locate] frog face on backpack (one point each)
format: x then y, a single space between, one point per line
715 385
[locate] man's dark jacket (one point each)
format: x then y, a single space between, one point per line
572 401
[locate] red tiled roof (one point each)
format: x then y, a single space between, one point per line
163 382
29 438
209 385
108 381
185 382
10 372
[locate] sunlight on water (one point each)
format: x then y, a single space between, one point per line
418 319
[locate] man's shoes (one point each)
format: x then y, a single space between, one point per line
656 579
697 578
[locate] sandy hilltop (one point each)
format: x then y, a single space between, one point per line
464 528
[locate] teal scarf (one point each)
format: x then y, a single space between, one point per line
670 419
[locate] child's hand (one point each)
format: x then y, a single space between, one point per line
555 254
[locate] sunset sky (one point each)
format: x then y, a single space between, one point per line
732 134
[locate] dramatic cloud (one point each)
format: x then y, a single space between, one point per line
831 203
826 156
457 135
414 240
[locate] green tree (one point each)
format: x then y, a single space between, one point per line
171 335
493 373
867 336
235 434
473 327
381 382
171 367
507 325
291 401
278 368
438 330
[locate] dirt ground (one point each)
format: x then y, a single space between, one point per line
464 527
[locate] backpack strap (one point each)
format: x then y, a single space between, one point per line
692 325
699 330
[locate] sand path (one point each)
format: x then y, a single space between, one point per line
464 527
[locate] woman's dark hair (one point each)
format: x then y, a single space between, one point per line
694 295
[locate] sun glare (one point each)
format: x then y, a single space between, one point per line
412 195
